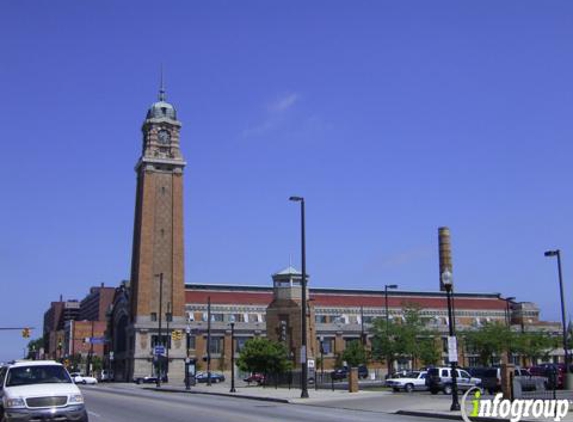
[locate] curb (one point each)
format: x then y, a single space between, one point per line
450 417
213 393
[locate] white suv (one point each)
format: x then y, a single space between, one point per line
39 390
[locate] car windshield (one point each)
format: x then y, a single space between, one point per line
413 374
41 374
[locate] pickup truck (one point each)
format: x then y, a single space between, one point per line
491 380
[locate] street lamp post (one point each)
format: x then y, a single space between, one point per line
303 351
557 253
209 341
91 352
508 301
168 319
187 358
362 334
158 383
322 359
233 358
386 287
447 281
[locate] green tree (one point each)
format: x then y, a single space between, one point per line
263 355
97 364
534 345
429 352
354 354
34 347
489 341
407 339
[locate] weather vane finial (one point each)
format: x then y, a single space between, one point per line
162 86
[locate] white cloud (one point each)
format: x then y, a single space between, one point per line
400 259
284 103
276 113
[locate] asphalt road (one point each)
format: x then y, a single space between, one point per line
135 405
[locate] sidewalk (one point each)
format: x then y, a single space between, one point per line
416 404
269 393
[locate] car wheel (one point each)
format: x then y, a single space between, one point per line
447 390
409 388
84 382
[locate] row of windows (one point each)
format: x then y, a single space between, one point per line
320 319
343 319
326 344
221 317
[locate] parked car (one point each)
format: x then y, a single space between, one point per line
398 374
82 379
256 378
342 373
415 380
553 372
440 379
106 376
39 390
491 379
149 379
215 377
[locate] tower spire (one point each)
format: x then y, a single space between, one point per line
162 86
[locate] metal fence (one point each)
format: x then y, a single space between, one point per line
317 381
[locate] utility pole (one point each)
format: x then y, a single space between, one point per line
160 332
209 341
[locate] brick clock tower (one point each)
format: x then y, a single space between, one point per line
157 257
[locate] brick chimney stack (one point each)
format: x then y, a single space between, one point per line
445 251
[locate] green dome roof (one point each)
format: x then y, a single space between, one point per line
161 110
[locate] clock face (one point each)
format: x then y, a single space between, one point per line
164 137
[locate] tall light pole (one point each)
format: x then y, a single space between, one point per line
168 319
233 358
209 341
91 352
158 383
557 253
362 336
322 359
303 351
447 281
386 287
508 301
187 357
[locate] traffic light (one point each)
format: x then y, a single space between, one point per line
283 331
26 332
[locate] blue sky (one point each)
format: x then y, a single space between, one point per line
392 118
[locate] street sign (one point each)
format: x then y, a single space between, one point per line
97 340
452 349
159 350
